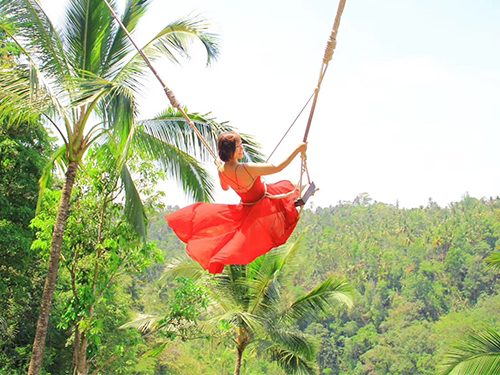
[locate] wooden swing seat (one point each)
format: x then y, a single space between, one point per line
307 191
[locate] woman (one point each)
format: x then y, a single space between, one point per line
220 234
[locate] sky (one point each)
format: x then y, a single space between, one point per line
408 109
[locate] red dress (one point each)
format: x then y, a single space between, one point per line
220 234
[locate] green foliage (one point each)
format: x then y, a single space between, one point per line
420 275
100 255
420 278
9 51
85 70
412 269
476 353
252 309
22 154
494 259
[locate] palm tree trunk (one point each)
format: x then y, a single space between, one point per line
237 368
48 291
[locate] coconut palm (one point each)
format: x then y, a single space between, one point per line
84 79
477 353
252 301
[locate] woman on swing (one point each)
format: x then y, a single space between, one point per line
220 234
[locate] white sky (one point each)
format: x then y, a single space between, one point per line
408 109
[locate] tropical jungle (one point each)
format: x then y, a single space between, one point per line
93 280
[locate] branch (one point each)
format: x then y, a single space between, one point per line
59 130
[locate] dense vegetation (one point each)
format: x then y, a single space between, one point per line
419 275
22 156
82 78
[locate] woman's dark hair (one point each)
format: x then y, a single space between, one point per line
227 145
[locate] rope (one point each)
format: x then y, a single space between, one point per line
170 95
330 47
293 123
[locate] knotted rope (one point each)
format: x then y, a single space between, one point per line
329 49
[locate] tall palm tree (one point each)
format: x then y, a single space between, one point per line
84 79
252 300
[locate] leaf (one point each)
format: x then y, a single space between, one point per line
332 291
156 350
144 323
494 260
134 210
478 353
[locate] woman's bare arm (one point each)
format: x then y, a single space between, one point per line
265 169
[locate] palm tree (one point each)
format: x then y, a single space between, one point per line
477 353
252 300
84 79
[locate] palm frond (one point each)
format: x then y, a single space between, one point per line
88 34
295 341
121 45
478 353
269 272
332 291
144 323
156 350
134 210
26 92
231 285
18 102
43 42
290 259
171 127
184 266
208 329
89 87
179 35
494 260
291 362
263 288
237 317
121 113
196 181
175 38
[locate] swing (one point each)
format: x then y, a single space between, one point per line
306 190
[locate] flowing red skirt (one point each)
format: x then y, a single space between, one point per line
220 234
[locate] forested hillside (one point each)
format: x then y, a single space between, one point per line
420 277
420 274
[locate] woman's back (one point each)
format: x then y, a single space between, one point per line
237 177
